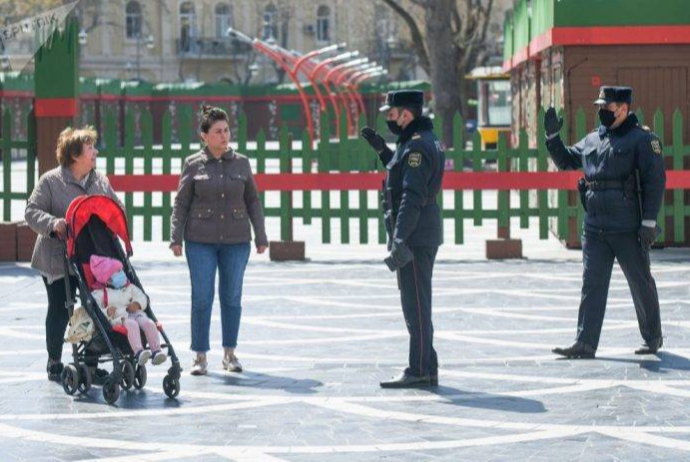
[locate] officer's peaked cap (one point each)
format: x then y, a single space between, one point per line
403 98
614 95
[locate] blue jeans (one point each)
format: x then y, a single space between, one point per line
203 261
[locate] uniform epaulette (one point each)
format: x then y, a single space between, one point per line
646 128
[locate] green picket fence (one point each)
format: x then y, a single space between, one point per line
18 163
337 214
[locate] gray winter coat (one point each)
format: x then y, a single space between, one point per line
55 190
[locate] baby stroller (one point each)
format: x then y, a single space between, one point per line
94 224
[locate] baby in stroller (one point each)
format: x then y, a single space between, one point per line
124 304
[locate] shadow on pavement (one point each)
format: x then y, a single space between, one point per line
268 382
479 400
134 399
665 363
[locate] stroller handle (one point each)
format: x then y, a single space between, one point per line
63 243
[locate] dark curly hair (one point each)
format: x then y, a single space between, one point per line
210 115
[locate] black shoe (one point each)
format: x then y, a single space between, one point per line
650 349
577 350
54 369
408 381
433 380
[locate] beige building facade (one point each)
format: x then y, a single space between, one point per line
183 40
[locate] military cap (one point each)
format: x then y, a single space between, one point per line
614 95
403 98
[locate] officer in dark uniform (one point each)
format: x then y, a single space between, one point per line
622 192
413 180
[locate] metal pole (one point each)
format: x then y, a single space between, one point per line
265 49
334 73
138 51
349 95
315 53
331 97
355 86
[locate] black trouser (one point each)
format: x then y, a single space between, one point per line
58 316
598 254
415 295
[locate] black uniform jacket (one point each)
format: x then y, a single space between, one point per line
615 154
414 177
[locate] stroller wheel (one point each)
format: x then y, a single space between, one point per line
171 386
70 379
127 375
85 379
140 377
111 390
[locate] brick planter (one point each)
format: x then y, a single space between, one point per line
287 251
8 242
503 249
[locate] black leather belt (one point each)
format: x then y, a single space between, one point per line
597 185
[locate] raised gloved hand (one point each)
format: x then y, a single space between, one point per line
552 123
400 255
375 140
648 235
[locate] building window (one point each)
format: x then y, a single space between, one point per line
223 19
323 24
187 25
133 19
270 30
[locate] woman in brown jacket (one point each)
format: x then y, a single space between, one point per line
45 213
216 201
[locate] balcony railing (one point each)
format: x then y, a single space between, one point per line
211 47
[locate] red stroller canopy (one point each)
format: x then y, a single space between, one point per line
83 208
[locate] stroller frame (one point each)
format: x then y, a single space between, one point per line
108 344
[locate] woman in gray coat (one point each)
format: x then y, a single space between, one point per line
216 203
45 213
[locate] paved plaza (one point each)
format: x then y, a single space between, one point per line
318 336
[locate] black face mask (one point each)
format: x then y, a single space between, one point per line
607 117
393 127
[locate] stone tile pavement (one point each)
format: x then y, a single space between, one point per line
318 336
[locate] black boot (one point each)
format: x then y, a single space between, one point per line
650 348
54 369
577 350
406 380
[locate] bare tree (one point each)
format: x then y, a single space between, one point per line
449 41
17 10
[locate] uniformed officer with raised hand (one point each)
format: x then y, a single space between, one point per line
622 193
413 180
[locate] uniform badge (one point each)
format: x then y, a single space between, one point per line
414 160
656 146
416 136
